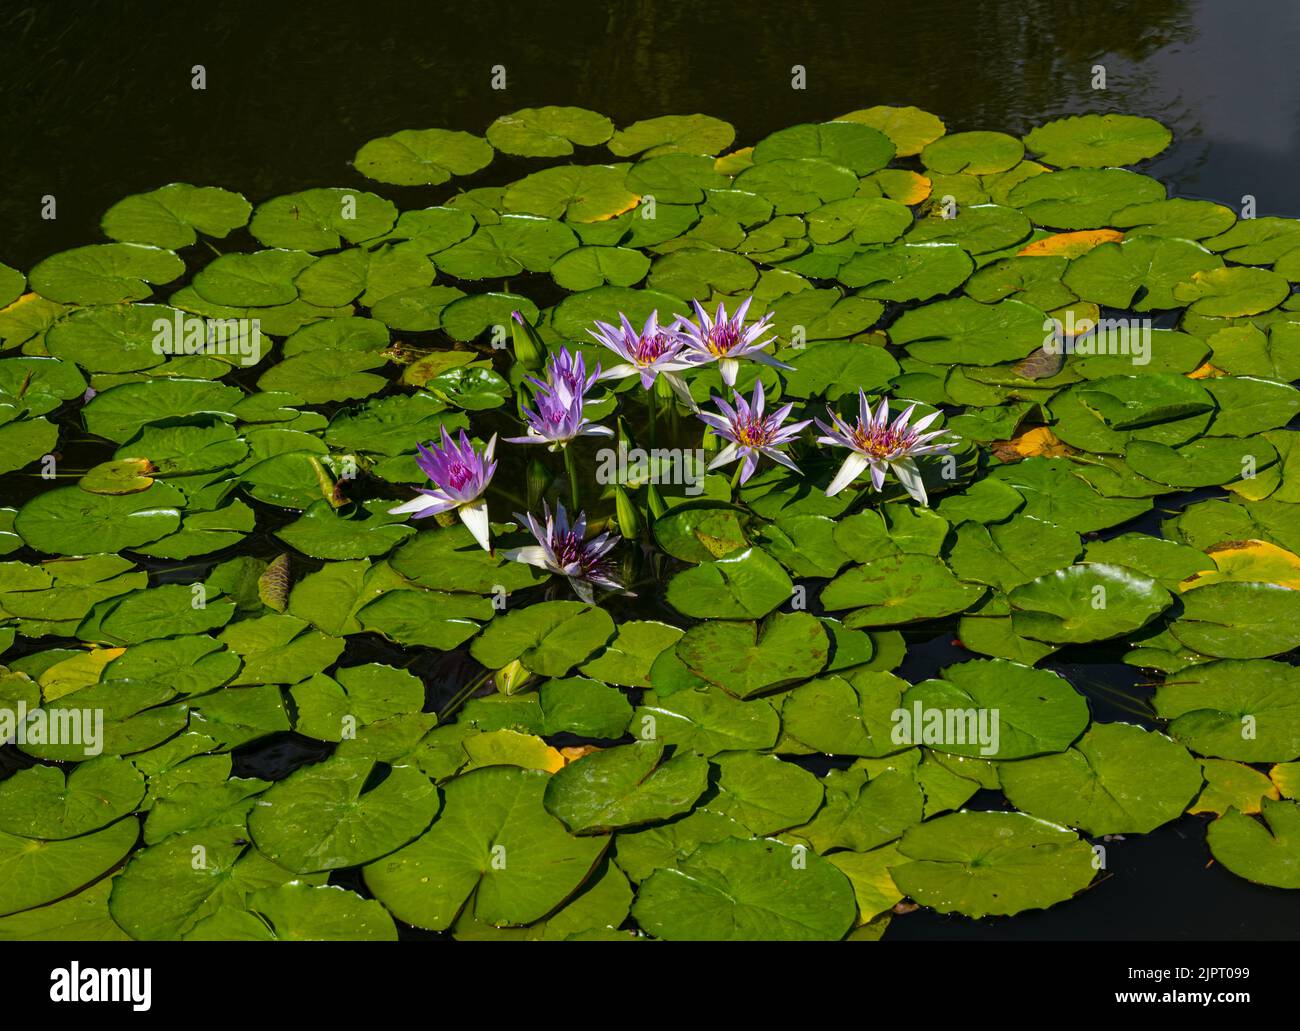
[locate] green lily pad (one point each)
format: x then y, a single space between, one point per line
364 693
549 638
173 215
797 185
853 145
323 376
746 584
321 219
168 888
737 890
707 720
1234 709
71 521
671 134
299 912
119 412
624 786
190 664
628 659
846 715
420 157
106 273
494 851
746 659
991 864
907 271
430 619
82 917
1239 620
39 803
331 815
1098 141
899 589
1083 198
37 872
1086 602
1118 779
1036 711
963 330
1267 850
548 131
322 533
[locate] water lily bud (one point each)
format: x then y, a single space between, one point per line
625 432
513 678
629 517
655 502
529 350
537 479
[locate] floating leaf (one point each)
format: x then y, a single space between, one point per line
548 131
736 890
331 815
991 864
1266 851
1118 779
420 157
488 815
1098 141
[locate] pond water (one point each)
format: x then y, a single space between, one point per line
99 105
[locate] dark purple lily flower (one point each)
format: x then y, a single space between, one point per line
460 475
564 550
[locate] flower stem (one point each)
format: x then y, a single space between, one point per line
571 467
464 694
735 477
652 403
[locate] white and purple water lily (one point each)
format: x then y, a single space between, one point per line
460 475
566 376
564 550
877 444
725 339
751 432
560 402
655 351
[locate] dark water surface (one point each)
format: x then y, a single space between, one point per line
97 104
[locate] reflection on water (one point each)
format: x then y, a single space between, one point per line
98 104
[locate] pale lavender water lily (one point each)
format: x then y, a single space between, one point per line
725 339
460 474
751 432
566 376
560 402
877 444
655 351
564 550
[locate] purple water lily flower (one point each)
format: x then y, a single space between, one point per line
655 351
877 444
566 376
564 550
560 402
751 432
460 475
724 339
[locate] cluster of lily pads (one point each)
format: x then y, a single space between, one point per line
324 719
